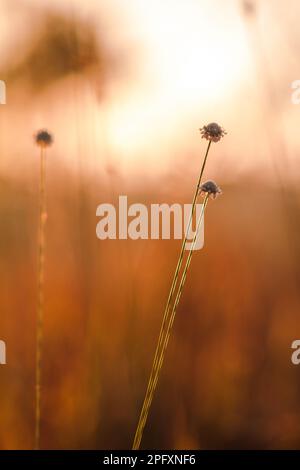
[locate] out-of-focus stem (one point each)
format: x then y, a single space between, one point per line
40 295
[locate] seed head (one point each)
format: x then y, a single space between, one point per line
211 189
212 132
249 7
43 138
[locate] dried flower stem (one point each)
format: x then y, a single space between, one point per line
40 299
165 341
149 393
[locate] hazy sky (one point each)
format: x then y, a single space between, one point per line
185 63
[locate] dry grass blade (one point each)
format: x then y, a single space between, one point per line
43 140
164 342
213 133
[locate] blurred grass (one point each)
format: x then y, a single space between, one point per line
228 380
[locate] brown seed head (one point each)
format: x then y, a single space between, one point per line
43 138
212 132
211 189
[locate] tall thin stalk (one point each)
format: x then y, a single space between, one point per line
175 278
157 365
43 140
213 133
40 299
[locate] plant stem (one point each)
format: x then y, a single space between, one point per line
40 299
147 399
139 433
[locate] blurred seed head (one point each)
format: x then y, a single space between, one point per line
212 132
211 189
43 138
59 46
248 7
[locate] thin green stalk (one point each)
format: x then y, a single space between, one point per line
173 287
164 337
172 317
40 299
181 255
168 331
181 285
